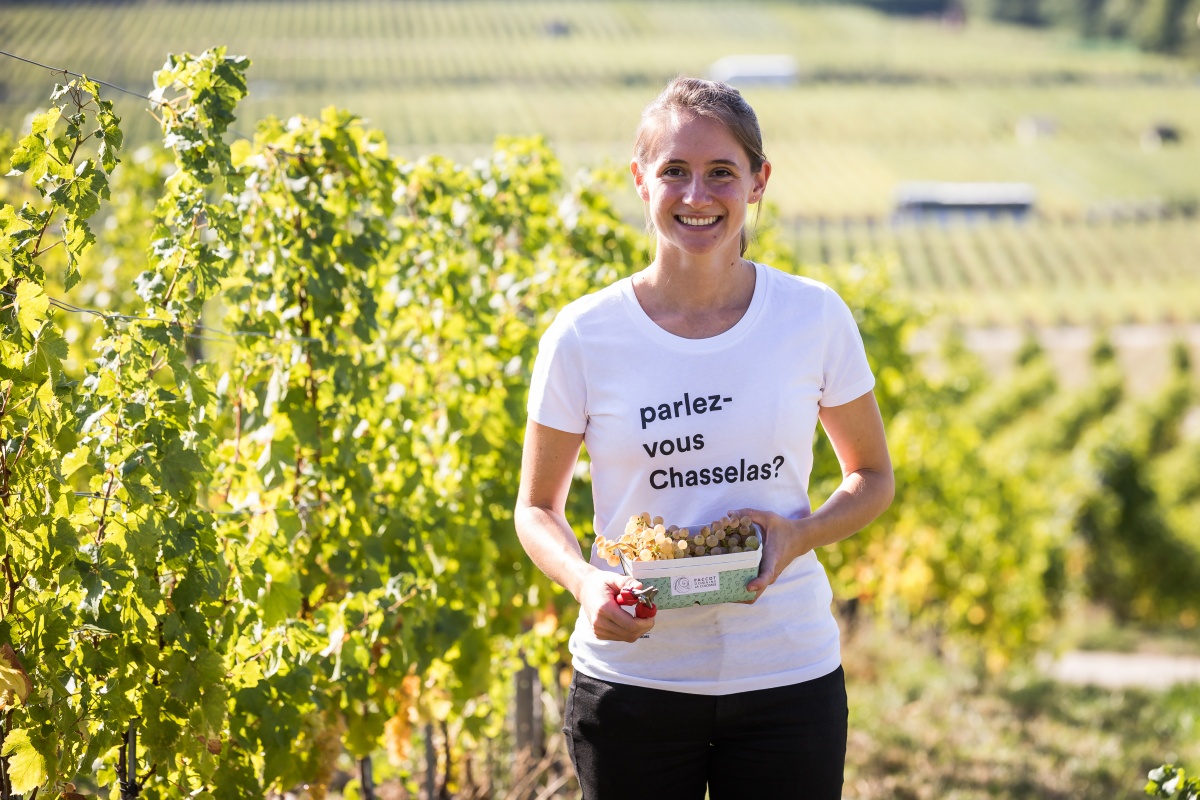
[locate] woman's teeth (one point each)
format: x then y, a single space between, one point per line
697 221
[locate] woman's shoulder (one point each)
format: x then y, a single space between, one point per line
792 285
594 305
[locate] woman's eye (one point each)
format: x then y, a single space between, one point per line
673 172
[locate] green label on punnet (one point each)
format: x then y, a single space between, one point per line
699 581
680 592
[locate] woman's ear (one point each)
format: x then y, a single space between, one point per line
760 182
639 180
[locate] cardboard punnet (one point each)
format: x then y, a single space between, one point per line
701 581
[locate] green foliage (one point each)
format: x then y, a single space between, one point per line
272 521
1156 26
1021 12
1169 780
1014 495
1163 25
1137 562
49 566
966 548
1034 383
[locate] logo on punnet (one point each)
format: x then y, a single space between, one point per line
692 584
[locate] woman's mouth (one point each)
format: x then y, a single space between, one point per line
696 222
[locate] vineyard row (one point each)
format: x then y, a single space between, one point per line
1041 270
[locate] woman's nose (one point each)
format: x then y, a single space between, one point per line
696 192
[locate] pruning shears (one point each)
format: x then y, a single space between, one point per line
642 598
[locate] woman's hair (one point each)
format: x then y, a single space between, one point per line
711 99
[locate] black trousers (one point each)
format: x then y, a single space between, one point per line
629 741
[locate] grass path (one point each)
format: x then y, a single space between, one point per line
1122 670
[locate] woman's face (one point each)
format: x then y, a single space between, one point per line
696 180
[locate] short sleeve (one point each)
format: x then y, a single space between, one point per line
557 390
845 371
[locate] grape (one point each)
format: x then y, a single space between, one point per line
647 538
746 521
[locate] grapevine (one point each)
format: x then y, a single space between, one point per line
252 533
48 540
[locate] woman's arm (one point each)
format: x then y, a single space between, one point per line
547 464
856 431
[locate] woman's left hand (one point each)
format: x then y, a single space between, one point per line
783 543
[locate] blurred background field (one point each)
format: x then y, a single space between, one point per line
877 100
1036 369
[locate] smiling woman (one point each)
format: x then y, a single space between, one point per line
697 385
697 181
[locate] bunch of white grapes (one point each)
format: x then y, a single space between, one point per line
647 538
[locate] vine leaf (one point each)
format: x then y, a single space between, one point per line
14 682
32 305
32 154
26 766
110 136
281 598
75 460
50 349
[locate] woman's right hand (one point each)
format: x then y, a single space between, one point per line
598 603
547 464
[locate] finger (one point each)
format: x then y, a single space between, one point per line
614 622
766 573
621 634
643 627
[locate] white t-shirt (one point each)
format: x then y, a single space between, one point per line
689 429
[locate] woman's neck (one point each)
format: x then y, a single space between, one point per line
695 298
